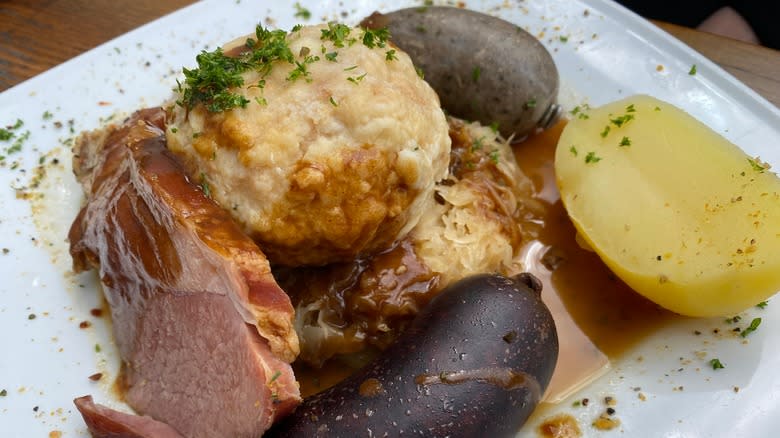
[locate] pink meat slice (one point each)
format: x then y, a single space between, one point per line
104 422
204 332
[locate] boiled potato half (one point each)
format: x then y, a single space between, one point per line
679 213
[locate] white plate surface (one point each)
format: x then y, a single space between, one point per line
605 54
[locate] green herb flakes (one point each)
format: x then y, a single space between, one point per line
356 79
476 73
692 71
301 12
605 132
7 132
390 55
477 144
716 364
622 120
751 328
625 141
756 165
762 305
204 185
375 37
216 74
573 150
338 34
333 101
591 157
733 319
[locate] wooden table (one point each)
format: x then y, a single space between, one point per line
36 35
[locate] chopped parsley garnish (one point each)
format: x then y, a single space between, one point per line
494 156
579 111
477 144
375 37
625 141
97 348
333 101
605 132
716 364
622 120
751 328
692 71
494 127
756 165
563 38
420 72
476 73
762 305
301 70
733 319
356 79
216 74
573 150
276 375
591 157
630 108
17 144
531 103
338 34
7 132
3 393
301 12
213 81
47 115
204 185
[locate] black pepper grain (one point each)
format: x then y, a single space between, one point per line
610 411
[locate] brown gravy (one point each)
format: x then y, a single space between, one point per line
598 317
612 315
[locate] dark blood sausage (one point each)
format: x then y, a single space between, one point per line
483 68
474 363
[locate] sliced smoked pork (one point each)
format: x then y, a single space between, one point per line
204 332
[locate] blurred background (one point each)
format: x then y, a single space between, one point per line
752 21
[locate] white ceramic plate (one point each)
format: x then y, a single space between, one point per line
605 53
